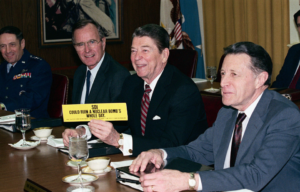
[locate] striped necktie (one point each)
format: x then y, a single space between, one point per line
144 108
236 139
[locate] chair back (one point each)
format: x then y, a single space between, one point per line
185 60
58 95
212 105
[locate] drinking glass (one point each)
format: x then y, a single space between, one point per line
78 152
211 75
23 123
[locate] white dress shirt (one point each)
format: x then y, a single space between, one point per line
9 65
94 72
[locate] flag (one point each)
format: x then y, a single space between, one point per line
165 20
170 20
177 31
191 26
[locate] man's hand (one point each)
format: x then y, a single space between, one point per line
72 133
165 181
104 131
154 156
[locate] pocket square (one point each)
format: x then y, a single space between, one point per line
156 117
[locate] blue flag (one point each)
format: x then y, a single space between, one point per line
191 25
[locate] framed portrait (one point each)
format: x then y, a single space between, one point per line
56 18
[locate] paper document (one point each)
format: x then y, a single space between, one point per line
198 80
55 142
8 119
118 164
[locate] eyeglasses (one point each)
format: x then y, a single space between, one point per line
91 44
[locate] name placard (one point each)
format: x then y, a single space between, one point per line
87 112
31 186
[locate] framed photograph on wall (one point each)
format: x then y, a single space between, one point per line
56 18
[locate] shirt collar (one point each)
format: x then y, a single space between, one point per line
94 71
154 82
252 107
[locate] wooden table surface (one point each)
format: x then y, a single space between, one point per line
45 165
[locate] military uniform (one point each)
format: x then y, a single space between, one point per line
27 85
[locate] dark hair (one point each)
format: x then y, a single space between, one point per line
84 22
155 32
296 15
260 59
12 30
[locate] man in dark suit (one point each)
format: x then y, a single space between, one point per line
254 143
165 108
25 80
106 76
287 76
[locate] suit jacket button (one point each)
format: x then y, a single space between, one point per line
21 85
6 88
130 150
6 97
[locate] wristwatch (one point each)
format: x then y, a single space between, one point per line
120 141
192 181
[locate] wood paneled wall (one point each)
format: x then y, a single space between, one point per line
24 14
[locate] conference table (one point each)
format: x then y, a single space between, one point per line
45 165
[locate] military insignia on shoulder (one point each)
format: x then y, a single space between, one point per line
35 57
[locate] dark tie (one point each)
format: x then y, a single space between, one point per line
236 139
295 79
88 76
144 108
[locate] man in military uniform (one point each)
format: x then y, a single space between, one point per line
25 79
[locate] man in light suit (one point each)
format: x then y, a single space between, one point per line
175 115
259 153
291 64
106 74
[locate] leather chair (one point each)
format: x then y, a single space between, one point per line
185 60
212 105
58 95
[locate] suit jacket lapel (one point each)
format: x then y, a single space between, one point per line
159 93
99 80
226 139
78 88
255 122
136 106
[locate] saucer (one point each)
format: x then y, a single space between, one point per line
212 90
35 138
31 143
88 170
87 179
74 164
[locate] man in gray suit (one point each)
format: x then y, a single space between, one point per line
259 152
100 78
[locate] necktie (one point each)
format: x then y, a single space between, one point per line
88 76
236 139
295 79
144 107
